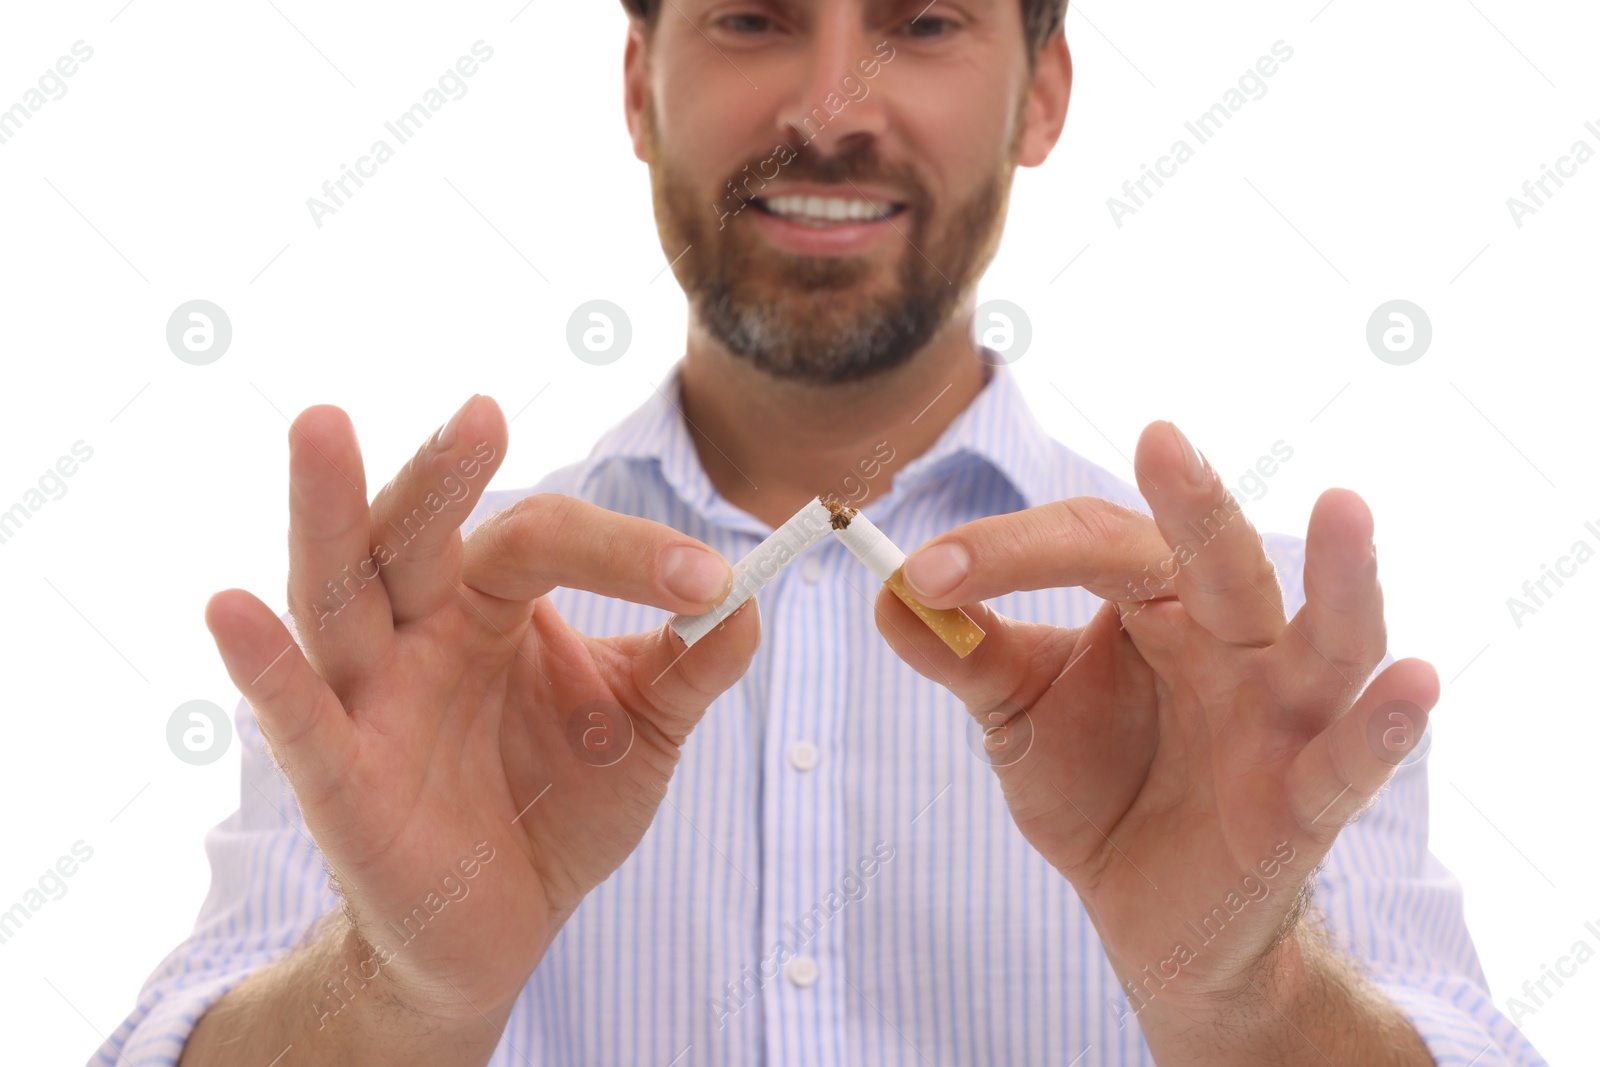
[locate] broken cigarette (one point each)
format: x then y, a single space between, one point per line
886 562
864 540
808 526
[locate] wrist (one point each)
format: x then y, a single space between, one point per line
1259 1016
331 1002
366 991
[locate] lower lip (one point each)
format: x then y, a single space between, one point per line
839 239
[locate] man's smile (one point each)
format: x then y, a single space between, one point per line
818 220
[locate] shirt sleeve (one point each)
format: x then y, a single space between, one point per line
269 888
1398 911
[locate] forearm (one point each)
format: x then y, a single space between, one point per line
331 1003
1306 1004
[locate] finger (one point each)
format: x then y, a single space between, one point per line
1013 664
310 734
1225 580
1342 770
416 518
1338 636
339 607
1112 551
673 684
548 540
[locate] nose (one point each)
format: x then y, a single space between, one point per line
828 97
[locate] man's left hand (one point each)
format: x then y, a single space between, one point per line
1188 757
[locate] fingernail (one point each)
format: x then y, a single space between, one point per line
1193 467
695 574
447 433
938 570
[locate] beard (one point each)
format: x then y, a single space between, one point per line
820 320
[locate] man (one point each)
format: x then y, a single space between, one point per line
555 835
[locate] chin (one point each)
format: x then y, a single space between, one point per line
789 340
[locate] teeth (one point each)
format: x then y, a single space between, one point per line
827 209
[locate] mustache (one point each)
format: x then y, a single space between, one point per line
857 161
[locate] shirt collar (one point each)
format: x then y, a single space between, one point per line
996 429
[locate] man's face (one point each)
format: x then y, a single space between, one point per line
763 122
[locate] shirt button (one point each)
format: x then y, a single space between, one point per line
811 569
802 971
803 755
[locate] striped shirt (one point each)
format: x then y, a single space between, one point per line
834 877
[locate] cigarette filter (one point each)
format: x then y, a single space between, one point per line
808 526
872 546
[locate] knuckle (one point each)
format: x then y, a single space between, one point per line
1027 530
1087 515
332 532
537 520
526 515
1093 521
619 553
549 515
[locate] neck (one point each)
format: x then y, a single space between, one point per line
770 445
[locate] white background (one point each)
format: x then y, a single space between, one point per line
178 164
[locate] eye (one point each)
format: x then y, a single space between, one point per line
929 27
746 24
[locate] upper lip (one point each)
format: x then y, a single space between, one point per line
844 190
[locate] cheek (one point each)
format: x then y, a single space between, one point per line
709 119
951 136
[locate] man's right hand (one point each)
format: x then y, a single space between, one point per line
446 703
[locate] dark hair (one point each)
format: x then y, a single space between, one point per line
1041 19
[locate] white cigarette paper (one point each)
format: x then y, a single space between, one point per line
872 547
808 526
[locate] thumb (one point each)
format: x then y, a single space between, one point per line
1012 664
672 684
